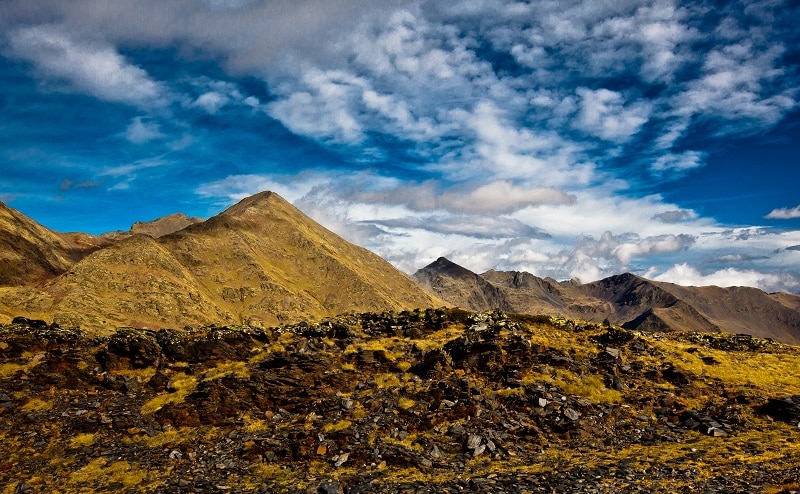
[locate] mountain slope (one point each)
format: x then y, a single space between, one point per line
261 261
461 287
288 267
31 254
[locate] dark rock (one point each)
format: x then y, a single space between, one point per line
786 410
130 349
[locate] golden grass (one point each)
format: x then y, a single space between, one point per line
237 368
405 403
8 369
37 405
141 375
337 426
590 386
184 385
81 440
438 339
174 436
374 345
101 472
770 372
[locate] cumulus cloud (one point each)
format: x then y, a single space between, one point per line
734 258
784 213
593 259
684 274
322 110
94 68
496 197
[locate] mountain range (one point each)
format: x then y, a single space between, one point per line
627 300
263 262
260 262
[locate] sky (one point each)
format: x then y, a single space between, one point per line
569 139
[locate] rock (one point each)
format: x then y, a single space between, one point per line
786 409
327 488
571 414
341 459
473 441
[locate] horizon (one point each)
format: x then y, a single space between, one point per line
570 140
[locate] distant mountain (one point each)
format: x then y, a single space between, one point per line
627 300
156 228
261 261
461 286
164 225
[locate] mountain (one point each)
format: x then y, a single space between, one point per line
164 225
260 262
31 254
627 300
461 286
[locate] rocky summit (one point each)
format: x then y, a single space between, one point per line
422 401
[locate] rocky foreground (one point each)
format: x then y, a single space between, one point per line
418 402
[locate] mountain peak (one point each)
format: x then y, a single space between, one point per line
261 201
462 287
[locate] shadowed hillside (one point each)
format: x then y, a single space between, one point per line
31 254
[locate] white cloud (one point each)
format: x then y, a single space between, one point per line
603 113
496 197
784 213
652 245
322 108
684 274
140 131
672 163
211 101
734 82
94 68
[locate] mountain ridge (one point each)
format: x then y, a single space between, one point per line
260 262
630 301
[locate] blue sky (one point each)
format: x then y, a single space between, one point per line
565 138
